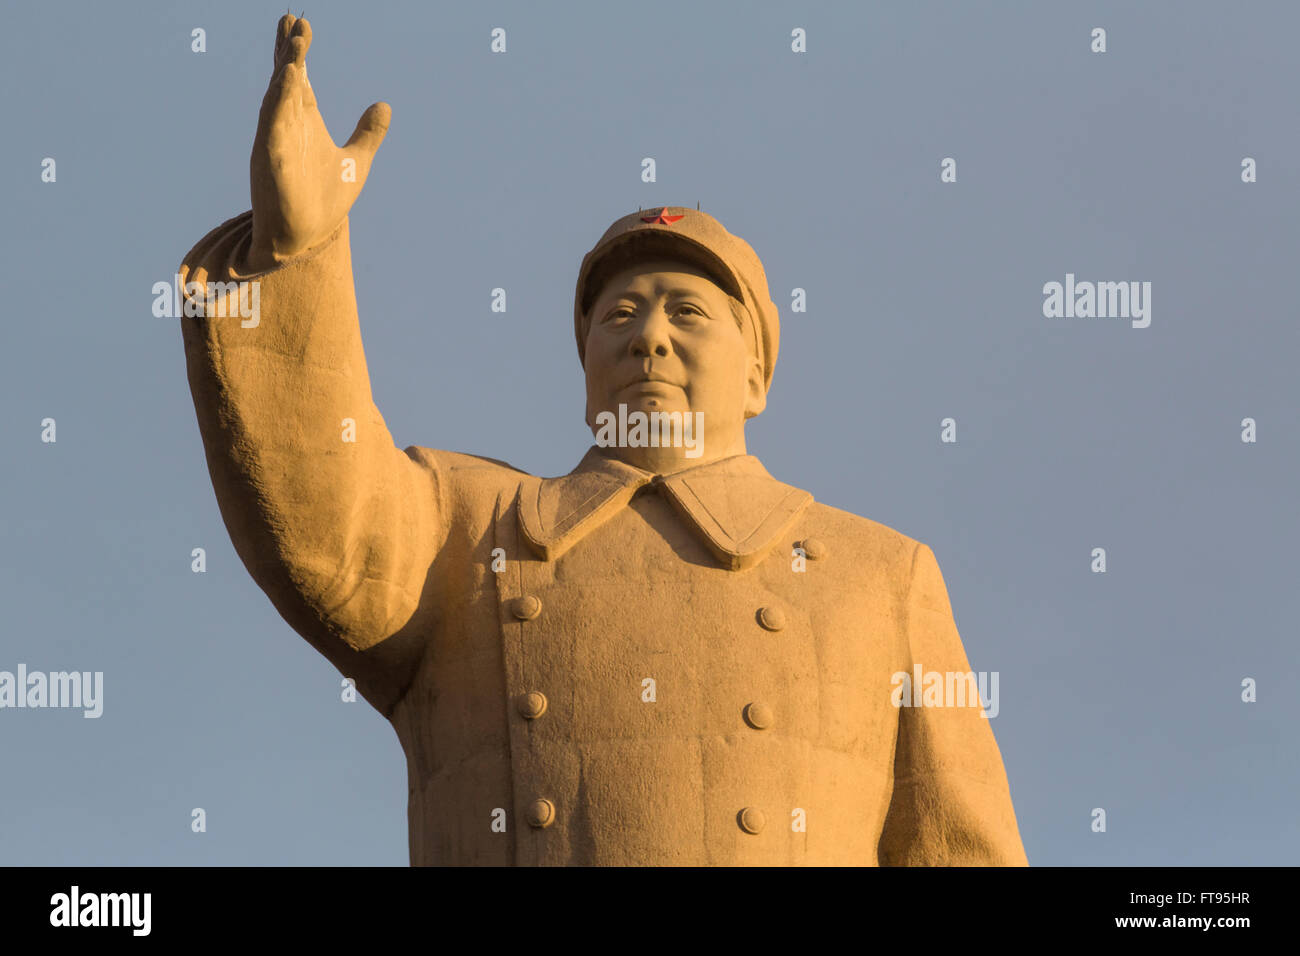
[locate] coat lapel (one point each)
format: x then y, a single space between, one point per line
737 509
557 513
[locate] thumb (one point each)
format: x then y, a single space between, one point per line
371 129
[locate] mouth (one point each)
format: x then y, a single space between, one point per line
648 376
651 382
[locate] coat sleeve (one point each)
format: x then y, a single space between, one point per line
337 525
951 804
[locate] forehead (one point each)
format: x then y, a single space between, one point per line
660 275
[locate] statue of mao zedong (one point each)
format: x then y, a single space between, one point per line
665 656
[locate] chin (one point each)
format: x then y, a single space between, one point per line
649 405
636 401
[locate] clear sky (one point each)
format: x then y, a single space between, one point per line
925 300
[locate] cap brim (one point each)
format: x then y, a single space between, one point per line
642 245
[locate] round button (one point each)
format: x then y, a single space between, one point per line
532 705
527 607
541 813
751 820
813 549
758 715
772 618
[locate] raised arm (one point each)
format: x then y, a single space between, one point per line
337 525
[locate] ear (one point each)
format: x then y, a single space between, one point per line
755 389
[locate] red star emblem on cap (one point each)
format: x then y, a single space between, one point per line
662 219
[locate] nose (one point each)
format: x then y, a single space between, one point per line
652 339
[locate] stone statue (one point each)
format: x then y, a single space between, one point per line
665 656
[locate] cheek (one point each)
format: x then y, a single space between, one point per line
723 353
606 342
597 383
596 356
718 373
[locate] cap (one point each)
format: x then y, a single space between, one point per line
698 238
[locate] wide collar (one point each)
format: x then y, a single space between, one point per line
738 510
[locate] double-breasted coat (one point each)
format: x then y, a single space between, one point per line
610 667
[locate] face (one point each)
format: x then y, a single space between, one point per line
663 338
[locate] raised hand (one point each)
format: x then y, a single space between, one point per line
302 184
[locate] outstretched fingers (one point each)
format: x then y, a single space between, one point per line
282 31
300 41
292 40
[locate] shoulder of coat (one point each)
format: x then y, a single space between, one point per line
863 536
472 481
459 461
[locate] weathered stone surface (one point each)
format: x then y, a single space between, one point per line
656 659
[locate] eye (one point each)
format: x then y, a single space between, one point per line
688 308
619 316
